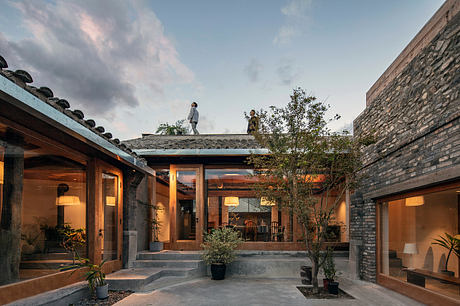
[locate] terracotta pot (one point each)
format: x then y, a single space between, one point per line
326 282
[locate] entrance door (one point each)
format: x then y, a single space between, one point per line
186 207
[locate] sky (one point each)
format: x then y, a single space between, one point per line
132 65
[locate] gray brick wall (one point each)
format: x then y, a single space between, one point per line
416 120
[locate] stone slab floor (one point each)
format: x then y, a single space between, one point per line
250 291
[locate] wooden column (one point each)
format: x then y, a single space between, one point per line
11 219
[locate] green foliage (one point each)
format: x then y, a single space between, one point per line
329 266
72 239
154 223
219 246
178 128
308 166
94 276
452 243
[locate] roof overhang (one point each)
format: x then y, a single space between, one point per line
200 152
31 104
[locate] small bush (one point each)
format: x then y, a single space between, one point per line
219 246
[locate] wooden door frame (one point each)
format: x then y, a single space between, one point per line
176 244
96 209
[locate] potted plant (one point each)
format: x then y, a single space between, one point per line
219 250
452 243
330 273
72 239
94 276
155 245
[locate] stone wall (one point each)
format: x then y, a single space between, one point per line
142 215
416 120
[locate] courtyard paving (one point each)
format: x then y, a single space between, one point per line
250 291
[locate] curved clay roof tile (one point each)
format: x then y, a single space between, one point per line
3 63
23 76
91 122
48 93
79 114
63 103
100 129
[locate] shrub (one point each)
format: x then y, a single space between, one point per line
219 246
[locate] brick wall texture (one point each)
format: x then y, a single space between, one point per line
416 120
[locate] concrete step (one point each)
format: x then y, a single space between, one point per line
146 263
169 255
45 264
165 282
137 279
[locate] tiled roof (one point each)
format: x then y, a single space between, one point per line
22 79
205 141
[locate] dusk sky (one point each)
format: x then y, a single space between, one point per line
132 65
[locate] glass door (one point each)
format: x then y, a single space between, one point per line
186 204
109 232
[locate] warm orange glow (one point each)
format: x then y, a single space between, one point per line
266 202
415 201
231 201
67 200
110 201
1 172
315 178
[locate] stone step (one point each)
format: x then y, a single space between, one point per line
137 279
169 255
146 263
45 264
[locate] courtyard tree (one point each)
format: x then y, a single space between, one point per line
308 169
178 128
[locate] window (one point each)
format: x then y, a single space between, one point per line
409 229
43 193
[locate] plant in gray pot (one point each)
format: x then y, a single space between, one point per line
220 249
451 243
94 276
330 273
156 245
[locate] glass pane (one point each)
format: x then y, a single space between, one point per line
186 205
409 250
48 188
110 201
231 202
162 201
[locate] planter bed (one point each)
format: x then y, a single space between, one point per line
323 294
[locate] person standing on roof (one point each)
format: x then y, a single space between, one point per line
253 122
193 117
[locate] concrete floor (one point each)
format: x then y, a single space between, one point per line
250 291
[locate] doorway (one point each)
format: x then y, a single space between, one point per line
186 207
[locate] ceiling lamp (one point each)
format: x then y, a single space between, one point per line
110 201
1 172
231 201
265 202
415 201
67 200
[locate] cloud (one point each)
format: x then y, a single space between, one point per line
286 71
253 70
98 54
296 19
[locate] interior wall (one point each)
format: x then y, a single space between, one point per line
162 200
422 224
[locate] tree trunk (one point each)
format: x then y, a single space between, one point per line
11 214
314 275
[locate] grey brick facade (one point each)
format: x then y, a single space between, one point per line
416 119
